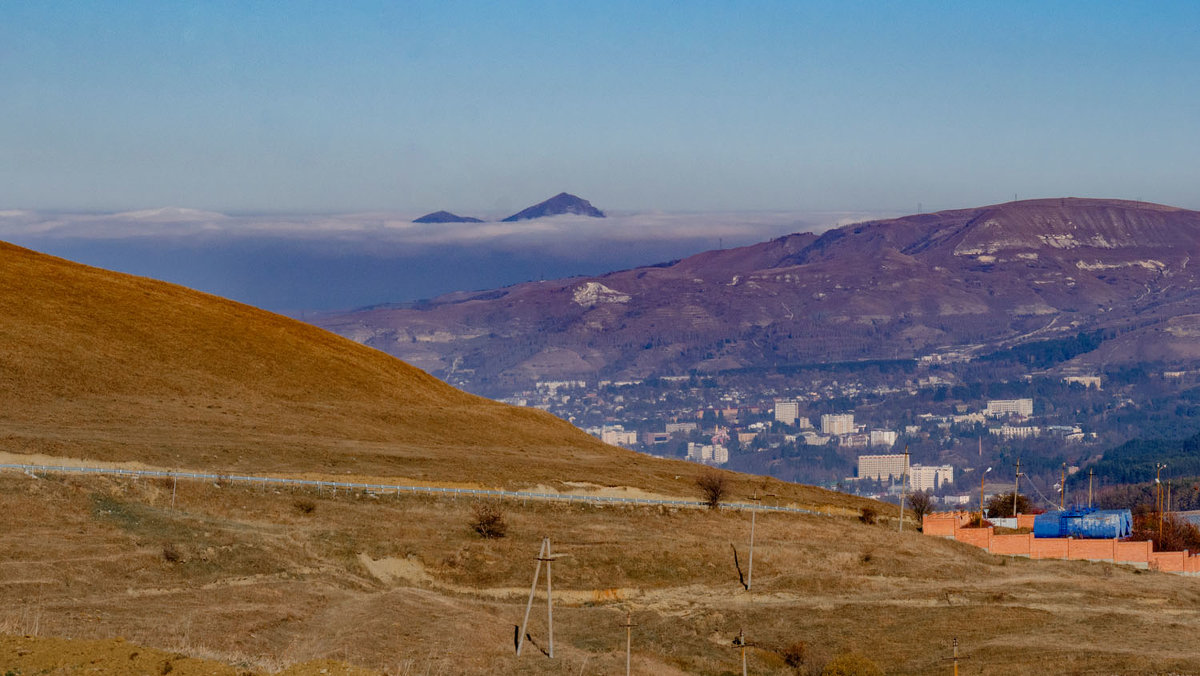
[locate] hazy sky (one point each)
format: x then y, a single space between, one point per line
491 106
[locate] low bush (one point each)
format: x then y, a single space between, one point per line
488 521
868 515
795 654
171 553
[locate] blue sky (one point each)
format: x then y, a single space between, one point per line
699 106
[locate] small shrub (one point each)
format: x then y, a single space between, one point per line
867 556
305 505
795 654
975 521
171 553
851 664
868 515
488 521
712 487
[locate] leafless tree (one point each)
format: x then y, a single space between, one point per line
712 487
920 504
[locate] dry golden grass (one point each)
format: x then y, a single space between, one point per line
107 367
263 579
104 366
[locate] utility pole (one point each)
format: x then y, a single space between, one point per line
742 640
903 486
981 477
750 565
549 600
956 639
1062 493
629 625
1158 497
529 606
1091 476
544 556
1016 487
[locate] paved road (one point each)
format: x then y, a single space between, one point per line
395 488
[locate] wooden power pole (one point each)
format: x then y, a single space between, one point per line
629 625
903 486
1016 487
544 556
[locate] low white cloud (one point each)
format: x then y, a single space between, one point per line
375 229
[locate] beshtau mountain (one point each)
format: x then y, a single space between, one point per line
445 217
562 203
964 281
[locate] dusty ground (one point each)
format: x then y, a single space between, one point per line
260 581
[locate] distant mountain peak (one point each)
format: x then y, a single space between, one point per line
562 203
445 217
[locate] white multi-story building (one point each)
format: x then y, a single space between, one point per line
553 386
720 454
837 423
883 438
617 436
814 439
713 454
1002 407
929 478
787 411
1015 432
855 440
684 427
882 467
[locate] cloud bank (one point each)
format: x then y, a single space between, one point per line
297 263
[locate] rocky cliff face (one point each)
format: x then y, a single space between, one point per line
964 280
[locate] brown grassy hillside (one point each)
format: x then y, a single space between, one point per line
265 579
106 366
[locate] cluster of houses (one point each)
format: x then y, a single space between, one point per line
1005 418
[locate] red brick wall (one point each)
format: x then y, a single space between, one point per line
1018 545
939 524
1170 562
1048 548
980 537
1096 550
1133 552
949 524
1025 520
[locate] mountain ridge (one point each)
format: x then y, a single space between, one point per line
890 288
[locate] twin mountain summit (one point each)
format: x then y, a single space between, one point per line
562 203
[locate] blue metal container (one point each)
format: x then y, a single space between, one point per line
1084 523
1048 525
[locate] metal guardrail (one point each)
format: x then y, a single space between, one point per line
397 489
